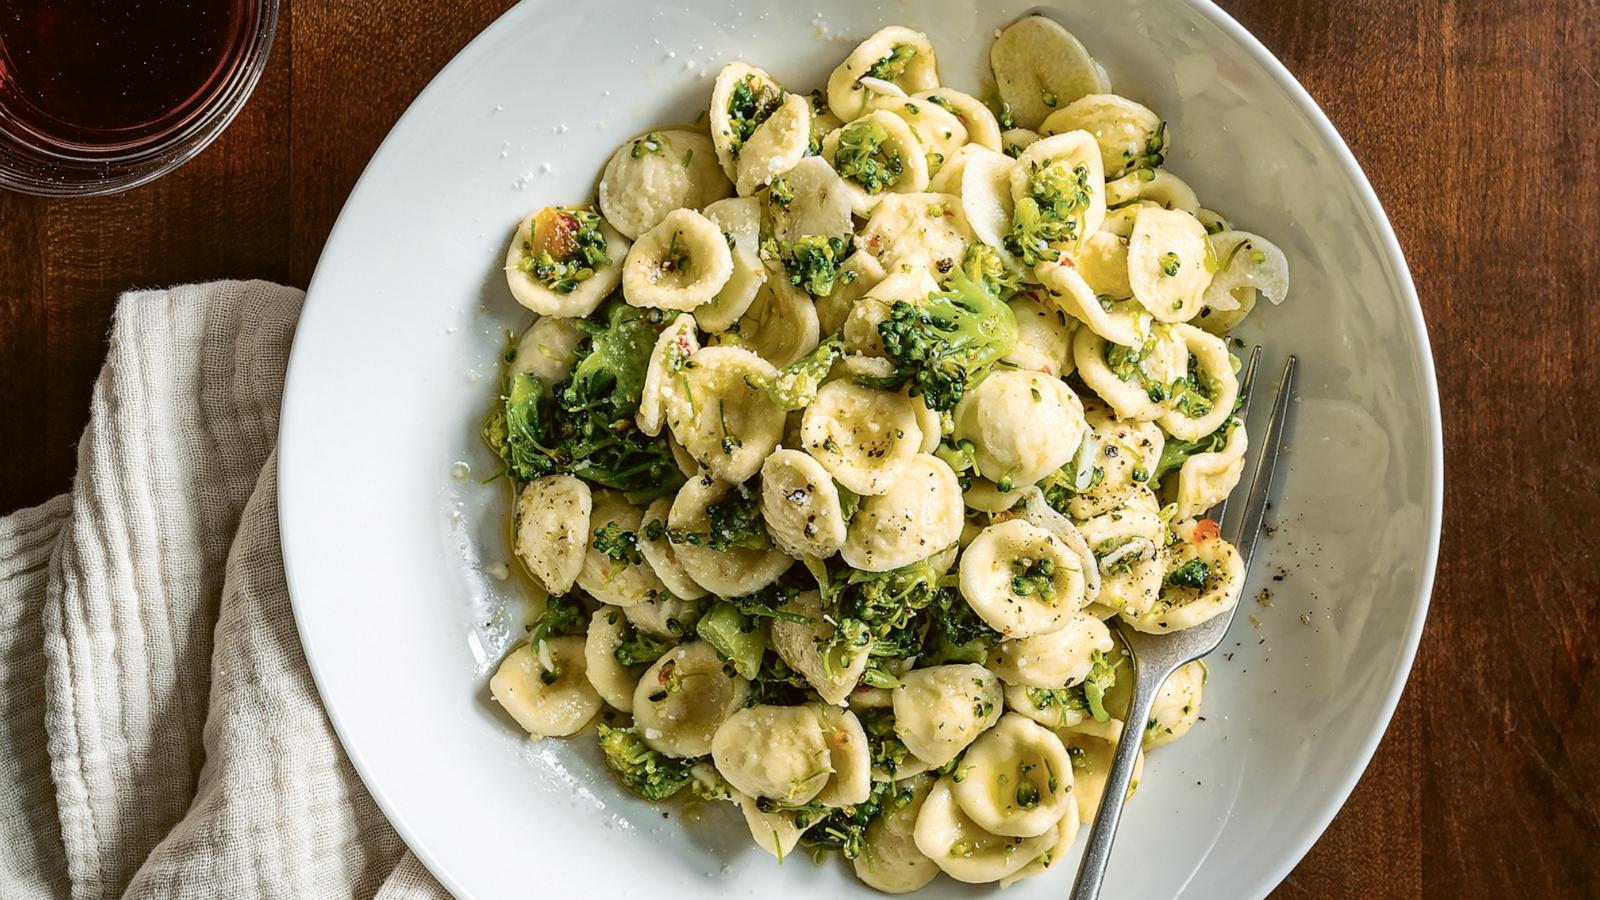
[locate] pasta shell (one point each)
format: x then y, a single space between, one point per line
728 426
552 524
1015 780
800 505
1040 67
1169 263
554 708
940 710
680 264
1021 579
665 372
776 146
862 436
1024 425
777 752
611 679
899 146
726 573
739 218
848 98
918 516
617 582
656 173
583 299
1213 366
547 349
833 676
1129 134
1177 705
963 849
1181 606
684 698
891 862
982 129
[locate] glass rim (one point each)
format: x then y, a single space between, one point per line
58 172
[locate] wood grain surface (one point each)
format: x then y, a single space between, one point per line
1478 123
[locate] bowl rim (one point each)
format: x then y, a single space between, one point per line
1323 812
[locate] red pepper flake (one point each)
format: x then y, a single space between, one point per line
1206 530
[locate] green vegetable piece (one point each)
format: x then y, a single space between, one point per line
646 772
737 638
1192 574
862 158
1052 210
894 65
951 341
796 385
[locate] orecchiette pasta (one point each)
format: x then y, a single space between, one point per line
1168 263
656 173
1092 744
918 516
1206 479
613 570
1177 705
1041 67
805 640
1130 136
876 156
545 688
849 757
611 679
776 146
659 553
1024 425
1021 579
664 374
894 56
982 129
863 436
800 504
728 426
1053 660
684 698
777 752
563 261
739 218
891 861
963 849
881 406
1204 575
728 572
679 264
552 525
1016 779
939 710
547 349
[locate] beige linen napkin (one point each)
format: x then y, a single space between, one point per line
160 736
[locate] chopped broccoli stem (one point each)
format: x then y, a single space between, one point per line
738 638
894 65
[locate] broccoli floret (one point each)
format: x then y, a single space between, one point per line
1052 210
733 523
812 262
955 632
646 772
941 346
796 385
618 545
845 829
862 158
563 615
1035 578
1102 677
887 602
641 649
586 428
750 104
894 65
1192 574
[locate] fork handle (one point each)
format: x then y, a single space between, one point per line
1092 871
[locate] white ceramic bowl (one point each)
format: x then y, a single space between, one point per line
391 559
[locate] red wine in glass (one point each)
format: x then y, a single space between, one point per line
96 95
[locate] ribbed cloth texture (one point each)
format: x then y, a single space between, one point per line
160 736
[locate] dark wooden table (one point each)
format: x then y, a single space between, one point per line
1479 125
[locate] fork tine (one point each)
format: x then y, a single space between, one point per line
1246 382
1248 530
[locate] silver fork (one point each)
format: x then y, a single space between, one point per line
1156 656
